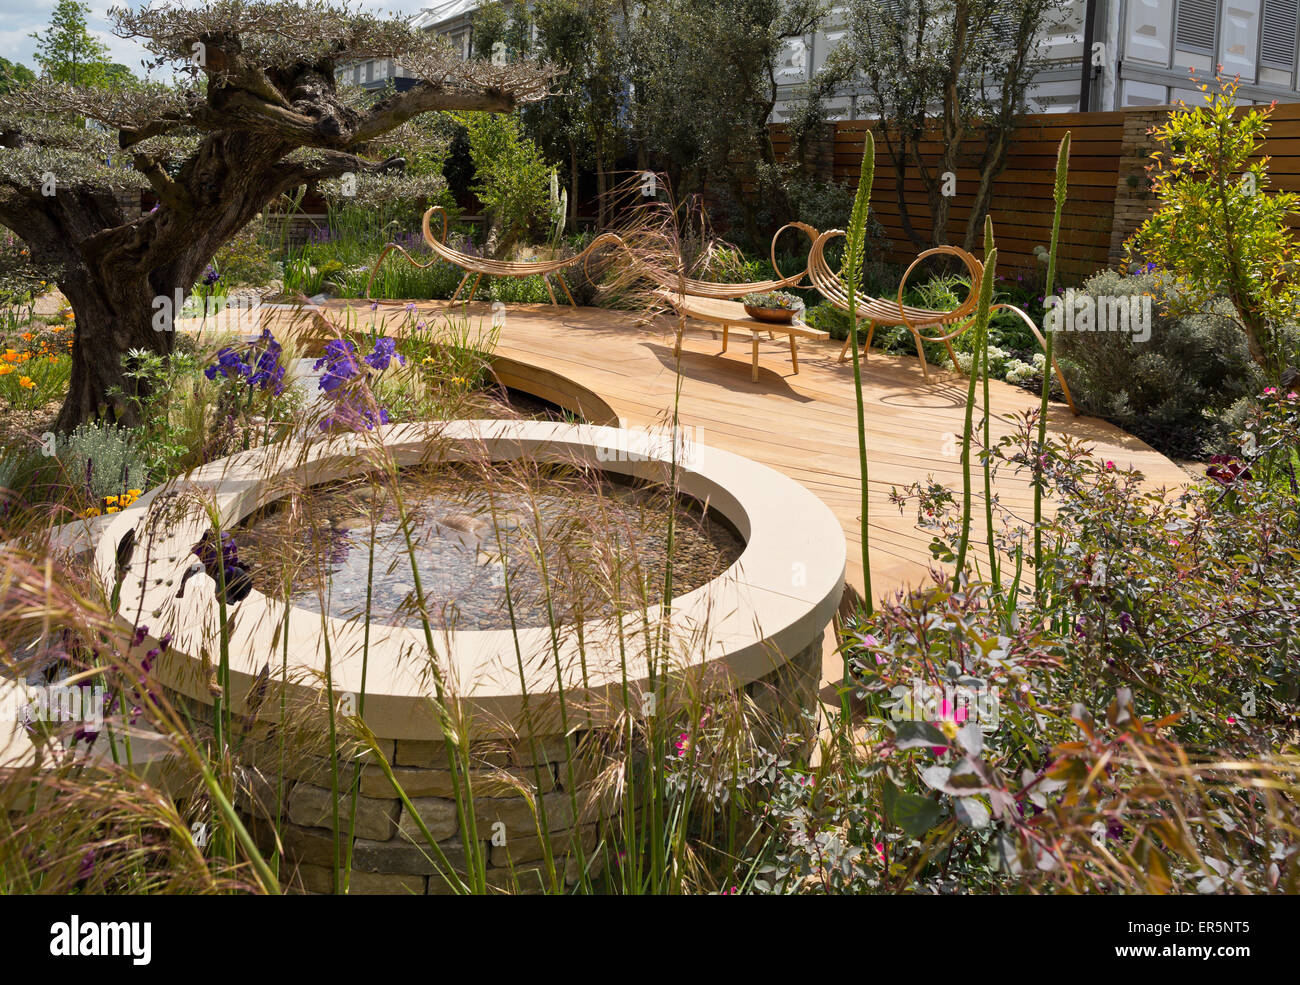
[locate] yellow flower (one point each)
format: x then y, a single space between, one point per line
93 511
26 382
110 500
111 509
135 493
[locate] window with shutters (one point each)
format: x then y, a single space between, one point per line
1277 40
1196 25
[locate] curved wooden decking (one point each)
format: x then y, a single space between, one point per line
803 425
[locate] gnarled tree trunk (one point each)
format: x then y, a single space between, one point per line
114 315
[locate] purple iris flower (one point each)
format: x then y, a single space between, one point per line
258 364
353 405
222 562
230 364
340 363
383 354
267 372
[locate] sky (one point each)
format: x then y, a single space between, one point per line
20 18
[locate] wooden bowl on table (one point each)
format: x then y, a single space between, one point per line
775 316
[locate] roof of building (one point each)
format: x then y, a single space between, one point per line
439 13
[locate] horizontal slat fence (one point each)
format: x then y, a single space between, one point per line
1108 193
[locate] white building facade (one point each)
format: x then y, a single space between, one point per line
450 19
1140 54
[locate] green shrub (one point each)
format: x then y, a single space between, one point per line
826 205
102 459
730 265
399 279
517 290
512 178
246 259
828 318
1173 390
1131 730
1219 230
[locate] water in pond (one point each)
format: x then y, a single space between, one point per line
604 547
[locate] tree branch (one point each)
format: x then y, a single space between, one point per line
330 164
392 112
171 194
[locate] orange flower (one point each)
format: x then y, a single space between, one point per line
6 370
26 382
27 336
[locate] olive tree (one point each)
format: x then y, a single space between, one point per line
954 72
704 80
257 112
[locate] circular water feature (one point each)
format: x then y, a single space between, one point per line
755 626
572 545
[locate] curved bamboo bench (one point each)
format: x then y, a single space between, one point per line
478 266
889 313
878 311
725 292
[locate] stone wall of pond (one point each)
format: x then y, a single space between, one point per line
389 852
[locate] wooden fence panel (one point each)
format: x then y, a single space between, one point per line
1108 198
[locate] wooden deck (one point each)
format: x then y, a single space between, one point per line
804 425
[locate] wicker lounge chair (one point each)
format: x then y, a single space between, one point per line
476 267
877 311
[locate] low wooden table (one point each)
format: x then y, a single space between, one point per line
731 315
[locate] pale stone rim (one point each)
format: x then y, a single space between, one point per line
757 614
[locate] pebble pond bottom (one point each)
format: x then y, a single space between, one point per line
579 545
